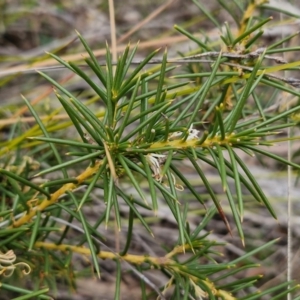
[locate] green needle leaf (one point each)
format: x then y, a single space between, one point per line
237 181
25 182
150 182
123 161
88 234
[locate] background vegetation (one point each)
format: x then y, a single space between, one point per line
160 175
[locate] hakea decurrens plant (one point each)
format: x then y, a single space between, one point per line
141 127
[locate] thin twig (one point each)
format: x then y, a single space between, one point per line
113 34
252 55
289 198
295 82
150 17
